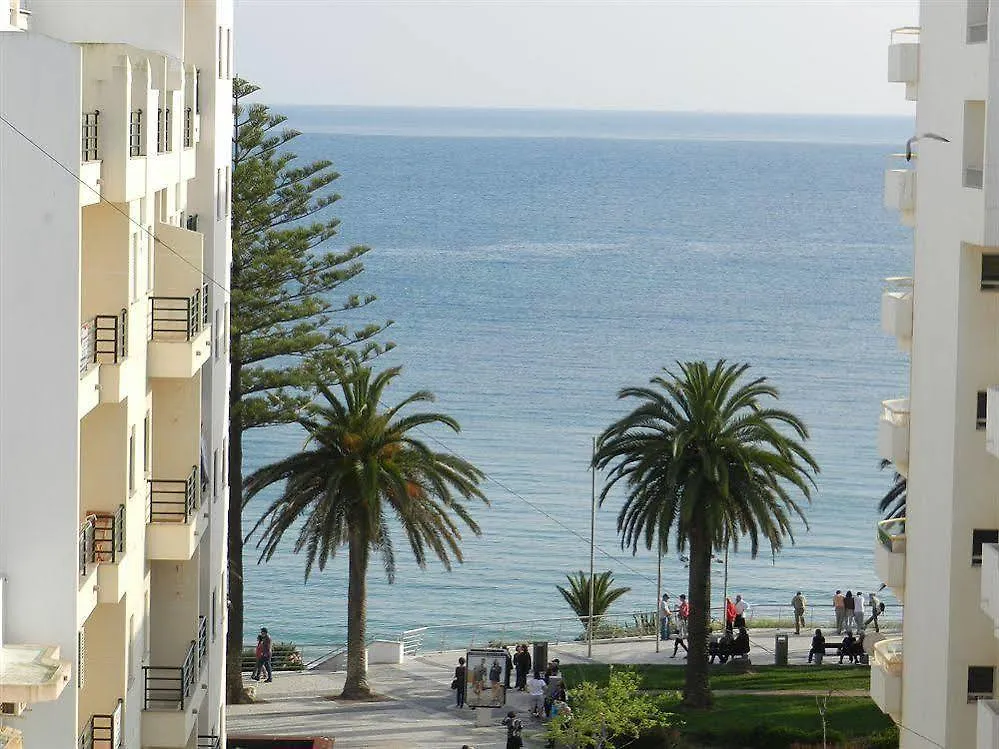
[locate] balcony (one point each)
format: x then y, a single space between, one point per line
889 555
32 673
87 591
103 731
180 336
172 696
988 724
107 552
896 311
174 523
10 738
990 584
900 194
886 677
903 59
206 741
90 378
893 433
19 17
90 159
111 353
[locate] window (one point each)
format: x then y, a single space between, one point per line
981 408
81 659
215 615
228 53
981 682
131 461
980 537
978 21
218 333
218 194
226 322
134 274
216 473
974 144
990 272
131 649
226 185
147 443
221 55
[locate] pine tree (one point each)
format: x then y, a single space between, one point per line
288 319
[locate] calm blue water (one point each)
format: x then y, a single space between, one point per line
535 263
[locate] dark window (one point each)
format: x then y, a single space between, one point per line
981 409
980 537
990 272
981 682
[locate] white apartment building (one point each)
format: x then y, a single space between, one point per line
115 152
938 681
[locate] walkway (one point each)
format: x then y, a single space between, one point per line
419 710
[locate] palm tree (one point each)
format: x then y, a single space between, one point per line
892 504
703 457
578 594
361 466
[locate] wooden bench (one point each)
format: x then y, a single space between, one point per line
833 648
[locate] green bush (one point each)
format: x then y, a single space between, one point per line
285 656
766 736
887 739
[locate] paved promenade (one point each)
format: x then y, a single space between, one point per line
419 707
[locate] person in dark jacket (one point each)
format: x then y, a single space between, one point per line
461 682
522 662
818 647
508 672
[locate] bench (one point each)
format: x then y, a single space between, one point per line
834 647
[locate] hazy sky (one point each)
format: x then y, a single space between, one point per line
704 55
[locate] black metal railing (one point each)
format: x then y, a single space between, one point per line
209 741
135 133
191 222
88 345
173 500
109 536
188 128
197 92
170 687
179 317
86 545
202 642
164 136
103 731
90 151
111 338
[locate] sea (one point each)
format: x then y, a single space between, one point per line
533 263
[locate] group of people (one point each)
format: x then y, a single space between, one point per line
855 613
851 648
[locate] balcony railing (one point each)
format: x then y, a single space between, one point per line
209 742
173 500
891 534
111 338
191 222
888 655
164 134
86 545
171 687
176 318
88 345
188 128
135 133
109 536
91 124
103 731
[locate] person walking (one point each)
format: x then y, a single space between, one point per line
263 653
858 611
682 616
460 683
741 607
798 604
536 690
664 618
838 608
514 727
848 610
877 608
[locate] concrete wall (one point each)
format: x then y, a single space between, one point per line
39 357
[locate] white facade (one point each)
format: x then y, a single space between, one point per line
114 273
939 559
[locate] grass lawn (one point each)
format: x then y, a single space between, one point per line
851 716
783 678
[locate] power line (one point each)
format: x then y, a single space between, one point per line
102 199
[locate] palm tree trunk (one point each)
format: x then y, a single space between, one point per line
235 692
697 689
356 685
